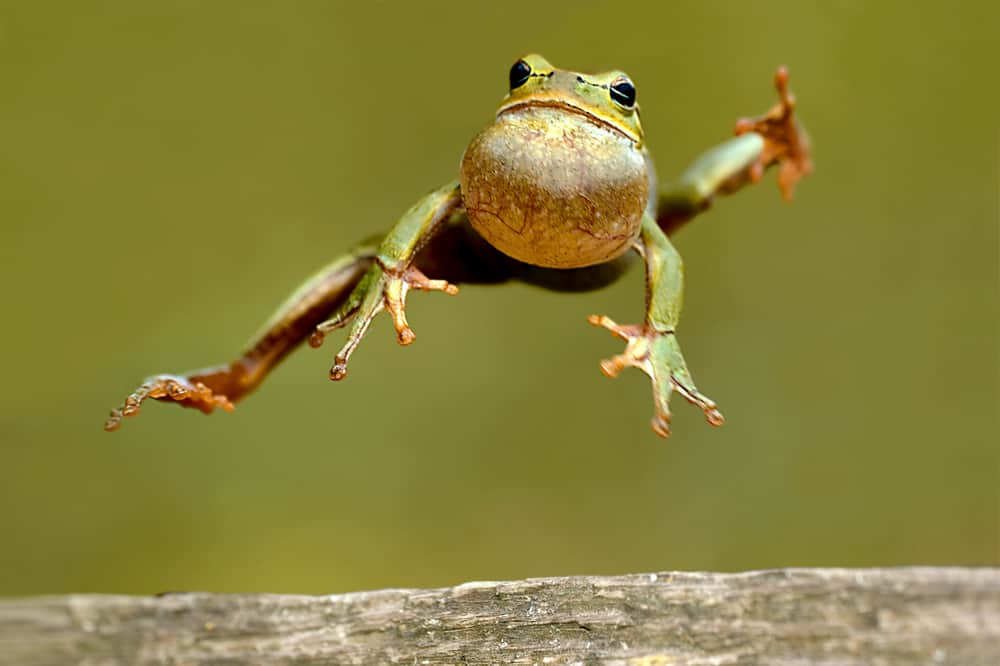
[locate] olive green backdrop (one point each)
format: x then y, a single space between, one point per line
171 170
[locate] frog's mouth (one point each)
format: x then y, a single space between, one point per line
567 106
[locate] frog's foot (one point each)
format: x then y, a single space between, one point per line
657 354
785 141
381 289
184 390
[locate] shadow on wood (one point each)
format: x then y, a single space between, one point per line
795 616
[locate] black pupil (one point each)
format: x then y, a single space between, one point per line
519 74
623 92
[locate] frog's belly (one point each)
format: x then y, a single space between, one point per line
553 189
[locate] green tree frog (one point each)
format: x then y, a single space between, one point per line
559 191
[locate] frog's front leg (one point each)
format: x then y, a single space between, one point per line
652 346
391 276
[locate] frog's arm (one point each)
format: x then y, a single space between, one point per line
393 273
376 274
775 138
652 346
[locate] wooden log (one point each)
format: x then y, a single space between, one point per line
794 616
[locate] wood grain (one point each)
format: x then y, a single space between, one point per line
794 616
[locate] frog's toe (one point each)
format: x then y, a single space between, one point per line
338 370
395 298
785 140
657 354
382 289
416 279
661 425
703 402
636 353
626 332
669 375
176 388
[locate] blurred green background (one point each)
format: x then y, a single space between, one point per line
171 170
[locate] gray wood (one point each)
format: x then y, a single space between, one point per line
795 616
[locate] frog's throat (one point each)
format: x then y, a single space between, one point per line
572 108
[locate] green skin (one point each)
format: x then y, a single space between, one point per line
554 193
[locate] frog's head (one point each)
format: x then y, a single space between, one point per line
561 178
607 98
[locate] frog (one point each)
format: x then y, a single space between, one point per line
560 192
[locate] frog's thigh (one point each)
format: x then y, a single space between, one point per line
711 172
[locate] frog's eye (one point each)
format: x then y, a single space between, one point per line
519 74
622 92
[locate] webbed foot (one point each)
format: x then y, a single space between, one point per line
380 289
785 141
185 390
658 354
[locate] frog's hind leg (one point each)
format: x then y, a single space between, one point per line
294 321
774 138
444 246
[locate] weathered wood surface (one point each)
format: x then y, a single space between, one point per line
797 616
